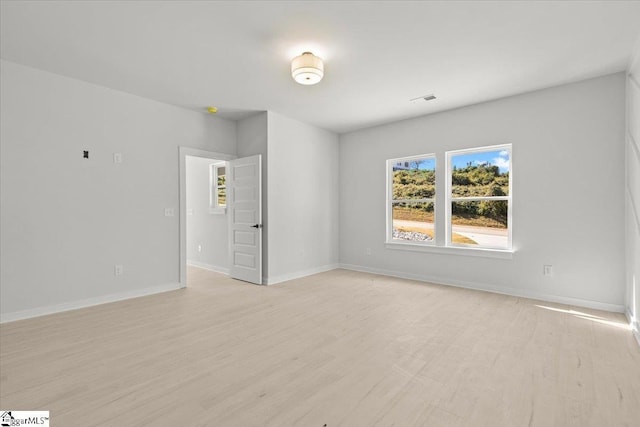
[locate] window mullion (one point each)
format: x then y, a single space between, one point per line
442 191
479 198
413 200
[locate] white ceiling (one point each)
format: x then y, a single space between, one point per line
378 55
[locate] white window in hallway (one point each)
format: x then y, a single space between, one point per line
218 188
411 196
478 197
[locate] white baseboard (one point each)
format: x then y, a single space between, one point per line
74 305
298 274
205 266
629 316
490 288
635 325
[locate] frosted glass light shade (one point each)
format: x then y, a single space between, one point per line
307 69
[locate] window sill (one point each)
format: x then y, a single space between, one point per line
452 250
218 211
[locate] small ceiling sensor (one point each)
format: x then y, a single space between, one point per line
425 97
212 110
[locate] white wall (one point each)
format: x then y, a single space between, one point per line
632 193
303 176
65 220
299 194
252 140
568 152
207 230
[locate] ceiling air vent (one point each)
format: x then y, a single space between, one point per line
425 97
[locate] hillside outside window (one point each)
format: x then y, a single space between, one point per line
478 202
473 210
217 188
412 199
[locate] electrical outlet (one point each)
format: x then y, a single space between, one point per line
199 248
367 251
117 157
168 211
547 270
118 270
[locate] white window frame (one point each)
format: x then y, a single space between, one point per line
390 200
214 206
449 199
442 232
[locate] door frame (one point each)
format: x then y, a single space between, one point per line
183 152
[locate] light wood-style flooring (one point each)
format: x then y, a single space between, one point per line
340 348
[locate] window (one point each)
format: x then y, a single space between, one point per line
478 198
473 210
218 188
412 192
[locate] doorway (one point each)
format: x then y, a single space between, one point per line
221 214
204 229
207 227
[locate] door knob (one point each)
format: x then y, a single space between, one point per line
257 226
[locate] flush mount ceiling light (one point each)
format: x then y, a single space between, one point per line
307 69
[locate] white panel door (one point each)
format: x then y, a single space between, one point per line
244 205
